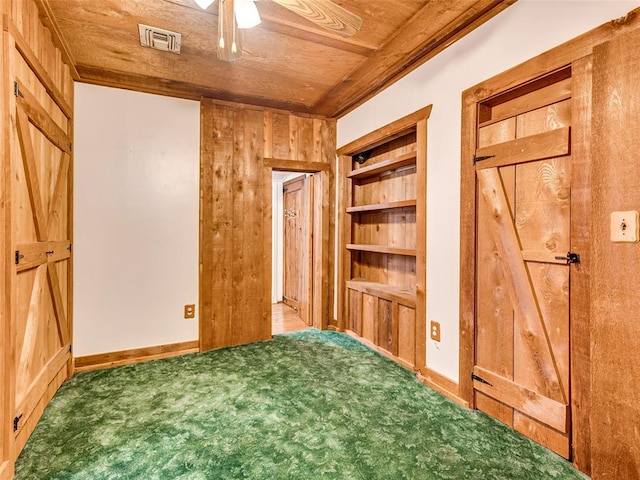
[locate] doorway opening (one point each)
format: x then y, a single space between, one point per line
292 251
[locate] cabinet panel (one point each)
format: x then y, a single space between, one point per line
406 333
369 316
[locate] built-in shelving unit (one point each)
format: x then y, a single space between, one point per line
383 244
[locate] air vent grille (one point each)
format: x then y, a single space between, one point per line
159 38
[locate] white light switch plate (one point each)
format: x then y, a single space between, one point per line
624 226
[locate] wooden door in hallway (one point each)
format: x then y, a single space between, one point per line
523 170
298 226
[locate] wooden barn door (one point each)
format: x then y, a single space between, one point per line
298 224
41 122
523 169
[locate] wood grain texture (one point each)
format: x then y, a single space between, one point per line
554 143
298 246
468 195
326 14
339 72
6 378
387 133
235 245
285 319
442 384
549 411
32 181
41 119
530 197
344 235
369 316
438 24
136 355
36 158
554 63
420 321
383 239
582 233
615 344
580 324
30 56
409 252
537 98
532 332
401 295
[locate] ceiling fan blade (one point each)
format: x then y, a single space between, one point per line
326 14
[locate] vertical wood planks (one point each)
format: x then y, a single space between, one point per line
232 219
36 162
418 350
216 221
615 343
235 219
580 242
6 380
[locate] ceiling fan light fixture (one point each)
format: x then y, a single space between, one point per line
204 4
246 13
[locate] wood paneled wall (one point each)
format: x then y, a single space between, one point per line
36 216
615 332
240 146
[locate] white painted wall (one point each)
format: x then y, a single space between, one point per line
136 219
521 32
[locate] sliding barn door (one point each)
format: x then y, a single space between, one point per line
523 171
298 224
41 237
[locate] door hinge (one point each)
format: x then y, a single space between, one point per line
479 379
483 157
16 90
71 146
18 257
16 421
570 258
70 248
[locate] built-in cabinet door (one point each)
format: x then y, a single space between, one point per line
523 171
40 280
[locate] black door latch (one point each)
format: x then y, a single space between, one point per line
570 258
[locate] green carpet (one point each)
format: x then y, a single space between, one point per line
309 405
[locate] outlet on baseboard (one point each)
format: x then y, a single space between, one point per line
189 311
435 331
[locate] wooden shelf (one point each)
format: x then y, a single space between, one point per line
381 206
384 166
408 252
402 295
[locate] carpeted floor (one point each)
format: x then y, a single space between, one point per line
308 405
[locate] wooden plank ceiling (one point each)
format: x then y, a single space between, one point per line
287 63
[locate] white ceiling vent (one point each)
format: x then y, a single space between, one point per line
159 38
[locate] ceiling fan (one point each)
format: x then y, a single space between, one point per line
242 14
